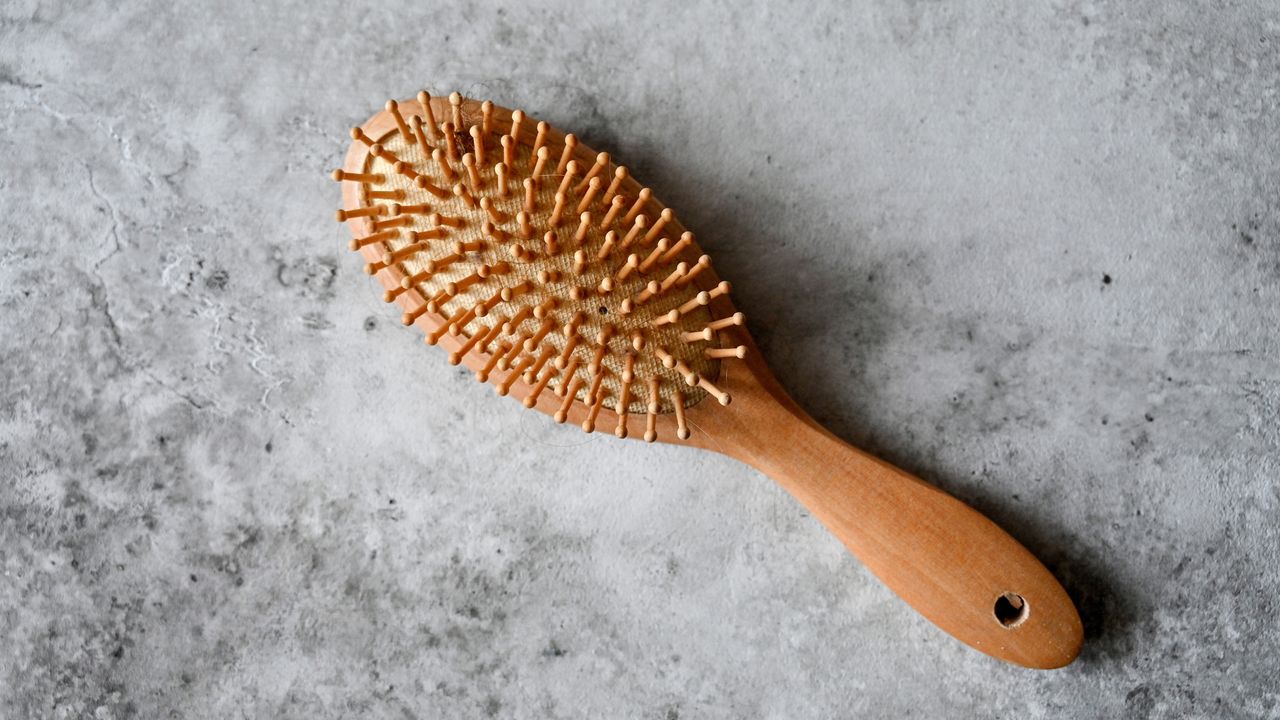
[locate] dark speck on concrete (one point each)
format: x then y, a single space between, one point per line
1106 279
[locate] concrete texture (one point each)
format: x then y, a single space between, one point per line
1031 253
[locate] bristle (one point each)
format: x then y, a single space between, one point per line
397 209
705 334
508 151
663 218
477 143
667 319
543 308
368 178
642 197
517 117
540 166
425 184
738 352
505 386
597 359
438 264
703 263
513 351
450 221
676 275
651 410
403 168
530 198
435 233
394 108
455 105
540 139
488 304
486 117
456 356
538 336
462 192
491 335
500 170
721 396
682 427
601 164
668 360
637 227
597 381
383 236
584 225
633 261
569 346
370 211
358 134
654 255
686 372
521 315
451 142
398 221
414 279
624 396
424 99
570 143
610 239
532 398
411 316
549 240
686 239
574 385
615 209
442 162
611 194
394 257
557 212
569 171
396 194
493 232
543 357
520 254
526 228
491 209
736 319
473 172
419 133
593 189
515 291
483 374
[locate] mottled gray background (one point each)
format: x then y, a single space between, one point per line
1030 253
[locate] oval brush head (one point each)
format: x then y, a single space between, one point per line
539 263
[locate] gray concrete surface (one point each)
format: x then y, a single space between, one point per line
1031 253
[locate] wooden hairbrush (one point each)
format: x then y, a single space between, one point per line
552 274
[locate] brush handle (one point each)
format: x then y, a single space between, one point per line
948 561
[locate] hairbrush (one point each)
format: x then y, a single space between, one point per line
549 271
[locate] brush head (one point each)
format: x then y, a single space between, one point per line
540 264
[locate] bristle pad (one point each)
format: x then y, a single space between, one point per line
533 264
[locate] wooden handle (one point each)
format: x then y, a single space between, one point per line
949 562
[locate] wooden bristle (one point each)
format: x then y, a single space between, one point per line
424 99
394 108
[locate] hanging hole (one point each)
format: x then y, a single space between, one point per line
1011 610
